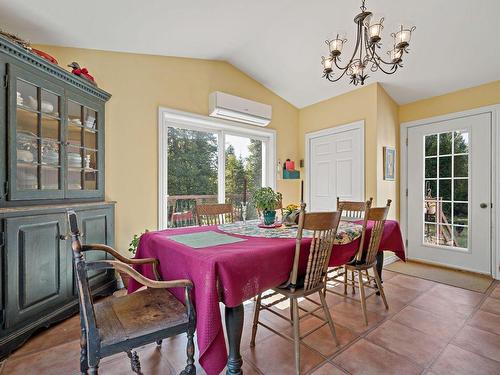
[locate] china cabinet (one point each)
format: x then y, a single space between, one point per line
51 160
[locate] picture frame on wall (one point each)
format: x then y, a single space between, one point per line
389 163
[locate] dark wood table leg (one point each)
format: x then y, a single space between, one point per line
234 327
380 266
380 263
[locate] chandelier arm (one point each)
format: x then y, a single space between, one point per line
339 77
353 54
376 59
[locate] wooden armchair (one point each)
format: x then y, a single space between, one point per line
120 324
214 214
324 226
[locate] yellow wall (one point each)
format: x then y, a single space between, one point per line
457 101
139 85
380 113
387 135
360 104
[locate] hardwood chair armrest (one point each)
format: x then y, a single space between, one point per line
119 266
108 249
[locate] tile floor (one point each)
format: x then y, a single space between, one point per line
430 329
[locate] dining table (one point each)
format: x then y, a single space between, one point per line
231 263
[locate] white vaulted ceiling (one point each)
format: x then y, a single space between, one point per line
278 42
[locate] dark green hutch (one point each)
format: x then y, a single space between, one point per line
51 159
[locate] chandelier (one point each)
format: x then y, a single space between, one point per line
366 52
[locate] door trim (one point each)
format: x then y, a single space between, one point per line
356 125
494 110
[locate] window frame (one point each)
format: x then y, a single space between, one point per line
168 117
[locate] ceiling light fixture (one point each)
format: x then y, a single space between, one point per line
365 56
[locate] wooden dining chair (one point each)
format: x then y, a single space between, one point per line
214 213
367 259
324 226
351 211
120 324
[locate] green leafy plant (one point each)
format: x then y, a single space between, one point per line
132 247
266 199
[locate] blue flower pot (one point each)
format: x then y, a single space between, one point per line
269 217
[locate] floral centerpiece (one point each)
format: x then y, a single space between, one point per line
291 214
266 200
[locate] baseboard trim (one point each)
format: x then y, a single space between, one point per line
390 259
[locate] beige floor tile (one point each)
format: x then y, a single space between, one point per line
478 341
457 361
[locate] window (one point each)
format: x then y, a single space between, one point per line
205 160
446 190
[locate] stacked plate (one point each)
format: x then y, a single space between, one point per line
74 160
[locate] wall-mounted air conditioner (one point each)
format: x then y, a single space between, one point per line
234 108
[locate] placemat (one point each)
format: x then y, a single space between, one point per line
205 239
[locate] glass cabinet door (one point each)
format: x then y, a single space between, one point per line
35 136
84 148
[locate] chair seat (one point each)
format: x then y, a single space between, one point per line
359 265
139 314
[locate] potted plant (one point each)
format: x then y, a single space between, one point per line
132 247
291 214
266 200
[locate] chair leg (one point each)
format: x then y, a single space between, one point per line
380 288
345 280
256 320
362 296
329 318
296 334
94 370
367 277
135 364
353 284
84 364
190 368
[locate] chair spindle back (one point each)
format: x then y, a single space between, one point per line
214 214
353 210
377 215
324 227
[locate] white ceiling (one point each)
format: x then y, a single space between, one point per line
278 42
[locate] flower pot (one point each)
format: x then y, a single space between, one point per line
269 217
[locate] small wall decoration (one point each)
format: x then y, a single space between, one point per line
389 163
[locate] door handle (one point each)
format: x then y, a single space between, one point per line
483 205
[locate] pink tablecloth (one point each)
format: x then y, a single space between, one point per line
243 269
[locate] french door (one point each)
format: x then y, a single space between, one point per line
208 162
449 192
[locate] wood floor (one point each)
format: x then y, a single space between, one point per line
431 328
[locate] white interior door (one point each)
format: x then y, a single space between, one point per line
336 167
449 192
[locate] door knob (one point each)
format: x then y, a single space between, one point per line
483 205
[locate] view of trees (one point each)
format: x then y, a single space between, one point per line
446 173
192 166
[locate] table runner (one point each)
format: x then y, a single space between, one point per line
241 269
347 232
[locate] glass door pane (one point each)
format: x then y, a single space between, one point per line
38 137
446 200
243 172
192 173
83 151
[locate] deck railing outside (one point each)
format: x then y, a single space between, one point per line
181 208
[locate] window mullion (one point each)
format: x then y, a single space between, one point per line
221 170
